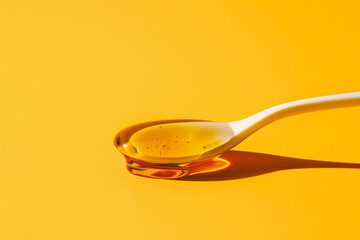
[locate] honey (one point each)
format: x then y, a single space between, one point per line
168 149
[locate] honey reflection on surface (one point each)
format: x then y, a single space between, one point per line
151 171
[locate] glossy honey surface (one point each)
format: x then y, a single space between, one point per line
173 142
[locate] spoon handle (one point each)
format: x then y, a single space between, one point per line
259 120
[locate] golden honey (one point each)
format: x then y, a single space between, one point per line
167 149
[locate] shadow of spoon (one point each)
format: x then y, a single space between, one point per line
239 164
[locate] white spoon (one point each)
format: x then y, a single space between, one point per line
182 143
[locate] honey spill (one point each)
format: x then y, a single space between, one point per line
170 149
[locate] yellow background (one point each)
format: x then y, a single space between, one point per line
73 73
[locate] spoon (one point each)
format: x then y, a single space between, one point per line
168 148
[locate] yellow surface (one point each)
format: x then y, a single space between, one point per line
73 73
